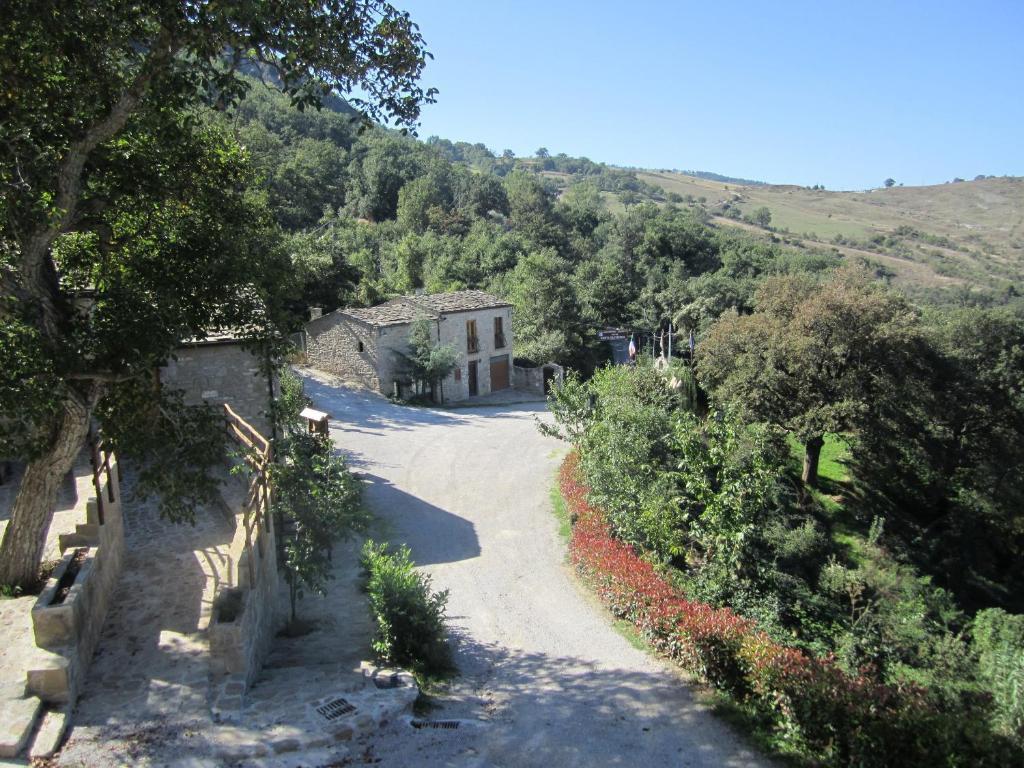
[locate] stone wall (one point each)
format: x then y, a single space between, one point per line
532 379
246 613
71 629
344 347
221 372
358 352
453 331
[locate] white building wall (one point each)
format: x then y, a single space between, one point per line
453 331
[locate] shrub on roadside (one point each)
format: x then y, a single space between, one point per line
816 709
410 618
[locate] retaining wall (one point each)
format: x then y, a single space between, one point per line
70 630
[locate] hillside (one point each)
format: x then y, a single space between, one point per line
969 232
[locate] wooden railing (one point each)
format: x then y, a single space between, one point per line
472 344
256 453
101 458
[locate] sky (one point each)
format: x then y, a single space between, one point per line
844 94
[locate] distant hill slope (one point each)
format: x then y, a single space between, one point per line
970 232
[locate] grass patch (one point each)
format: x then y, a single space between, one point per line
561 511
633 636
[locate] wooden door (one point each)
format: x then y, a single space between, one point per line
499 373
473 377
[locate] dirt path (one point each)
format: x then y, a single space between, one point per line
545 680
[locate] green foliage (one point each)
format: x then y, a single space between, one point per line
999 644
410 618
315 495
174 446
813 358
429 361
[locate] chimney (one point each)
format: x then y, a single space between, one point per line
315 312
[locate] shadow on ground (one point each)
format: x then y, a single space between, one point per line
434 534
542 710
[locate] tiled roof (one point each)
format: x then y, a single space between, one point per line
392 313
459 301
405 309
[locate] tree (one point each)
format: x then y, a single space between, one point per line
314 493
111 179
890 183
813 358
762 217
429 361
542 153
546 309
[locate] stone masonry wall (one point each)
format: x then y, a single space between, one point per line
221 372
332 345
240 642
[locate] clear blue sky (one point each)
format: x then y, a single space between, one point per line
839 93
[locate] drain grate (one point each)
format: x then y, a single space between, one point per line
335 708
445 725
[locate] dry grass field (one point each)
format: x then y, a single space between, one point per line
969 232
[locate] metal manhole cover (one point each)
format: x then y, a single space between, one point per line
446 725
335 708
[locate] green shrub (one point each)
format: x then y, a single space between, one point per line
410 618
999 643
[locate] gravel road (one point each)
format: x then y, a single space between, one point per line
545 678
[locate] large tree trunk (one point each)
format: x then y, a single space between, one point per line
812 453
25 538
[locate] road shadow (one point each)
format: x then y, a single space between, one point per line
359 410
433 534
544 710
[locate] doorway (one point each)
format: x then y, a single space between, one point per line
473 377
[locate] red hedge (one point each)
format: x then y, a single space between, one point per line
816 707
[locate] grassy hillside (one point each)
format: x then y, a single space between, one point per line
969 233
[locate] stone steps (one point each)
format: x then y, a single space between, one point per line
19 714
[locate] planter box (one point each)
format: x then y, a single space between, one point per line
228 652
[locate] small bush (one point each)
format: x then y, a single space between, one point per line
410 618
999 643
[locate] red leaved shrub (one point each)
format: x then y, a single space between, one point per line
816 707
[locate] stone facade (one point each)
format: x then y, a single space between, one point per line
221 371
454 331
366 346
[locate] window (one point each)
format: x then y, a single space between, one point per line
472 340
360 344
499 333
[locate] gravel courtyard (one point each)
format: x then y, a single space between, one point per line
545 678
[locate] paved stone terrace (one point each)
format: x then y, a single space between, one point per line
147 699
149 680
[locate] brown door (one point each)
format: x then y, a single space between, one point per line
472 377
499 373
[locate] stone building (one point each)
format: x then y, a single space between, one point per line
219 369
366 345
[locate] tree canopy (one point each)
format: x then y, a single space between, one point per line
130 219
